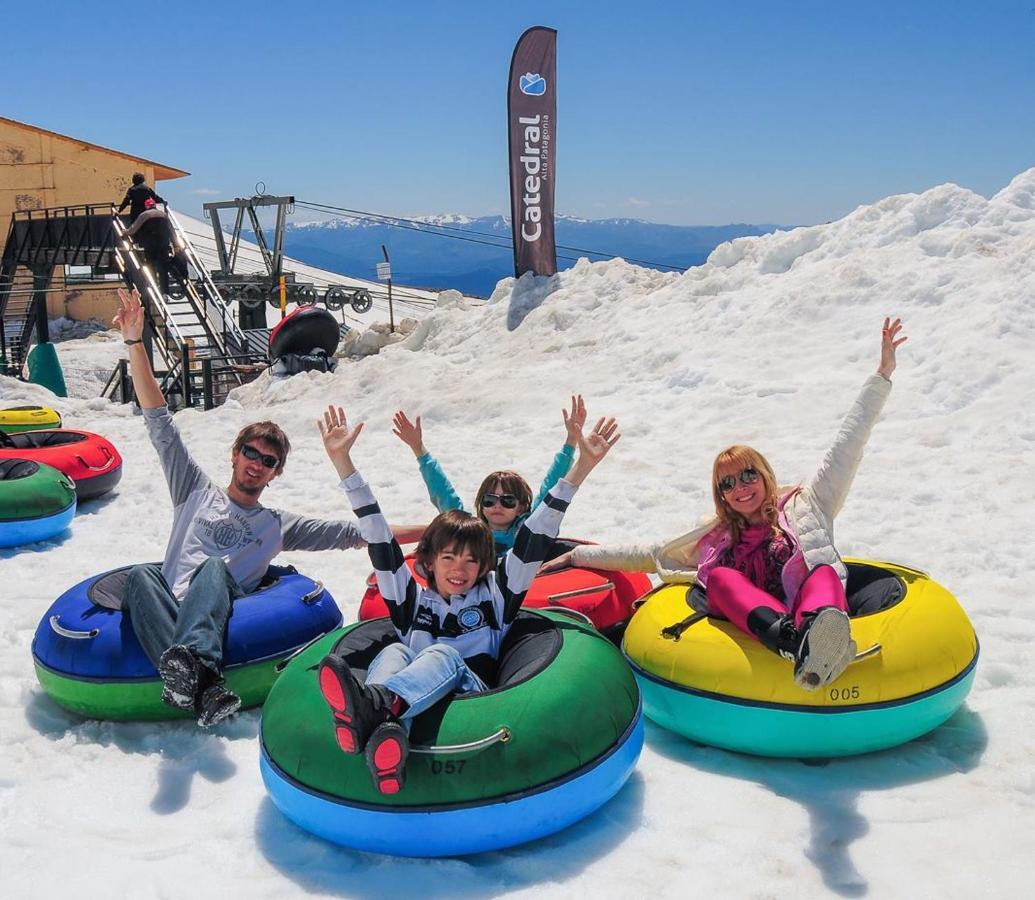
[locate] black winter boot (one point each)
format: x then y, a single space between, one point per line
776 632
357 708
216 703
179 667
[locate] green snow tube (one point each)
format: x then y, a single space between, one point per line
36 502
557 737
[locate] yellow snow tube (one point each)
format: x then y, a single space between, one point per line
16 419
718 685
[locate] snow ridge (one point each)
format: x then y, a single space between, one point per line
767 343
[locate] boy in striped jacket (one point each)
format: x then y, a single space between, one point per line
450 632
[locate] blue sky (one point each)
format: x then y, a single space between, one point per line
678 112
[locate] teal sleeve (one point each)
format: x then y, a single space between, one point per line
440 488
561 464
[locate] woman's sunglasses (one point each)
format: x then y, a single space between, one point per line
507 501
250 452
728 482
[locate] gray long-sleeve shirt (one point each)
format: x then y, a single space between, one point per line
206 522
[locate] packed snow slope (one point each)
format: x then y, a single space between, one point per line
767 344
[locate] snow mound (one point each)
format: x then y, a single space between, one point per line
766 343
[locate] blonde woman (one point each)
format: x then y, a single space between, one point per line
766 559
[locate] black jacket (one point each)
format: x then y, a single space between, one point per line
152 230
135 198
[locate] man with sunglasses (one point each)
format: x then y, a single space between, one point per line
221 544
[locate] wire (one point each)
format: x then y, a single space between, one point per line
417 225
424 228
254 255
397 223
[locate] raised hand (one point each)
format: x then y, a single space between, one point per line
338 439
593 448
409 433
130 317
574 420
888 345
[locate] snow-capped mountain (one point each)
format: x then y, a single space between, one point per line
473 254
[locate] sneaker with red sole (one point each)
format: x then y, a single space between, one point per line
386 754
357 709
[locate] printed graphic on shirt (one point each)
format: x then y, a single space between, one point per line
231 532
449 624
470 619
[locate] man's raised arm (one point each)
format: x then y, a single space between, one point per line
181 472
130 321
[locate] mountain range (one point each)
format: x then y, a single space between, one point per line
472 254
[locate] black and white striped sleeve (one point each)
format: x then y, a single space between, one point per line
393 575
532 544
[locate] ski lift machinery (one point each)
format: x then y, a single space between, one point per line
254 290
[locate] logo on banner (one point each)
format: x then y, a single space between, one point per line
532 84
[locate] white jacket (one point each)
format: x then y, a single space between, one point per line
810 512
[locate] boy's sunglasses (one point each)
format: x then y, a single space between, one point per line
250 452
507 501
728 482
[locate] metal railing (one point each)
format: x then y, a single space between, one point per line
208 302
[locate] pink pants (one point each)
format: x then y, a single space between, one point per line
731 594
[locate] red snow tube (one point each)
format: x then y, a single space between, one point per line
605 598
306 329
90 460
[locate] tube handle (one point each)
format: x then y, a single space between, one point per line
58 628
314 594
105 467
580 592
573 614
499 737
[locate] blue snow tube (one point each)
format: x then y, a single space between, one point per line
89 660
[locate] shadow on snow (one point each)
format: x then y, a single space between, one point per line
183 749
829 790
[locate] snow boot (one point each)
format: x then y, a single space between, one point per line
357 709
179 667
386 753
216 703
826 649
775 631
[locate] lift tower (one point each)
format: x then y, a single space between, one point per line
252 292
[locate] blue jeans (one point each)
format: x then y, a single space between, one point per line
199 622
424 677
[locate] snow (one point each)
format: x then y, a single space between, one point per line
767 344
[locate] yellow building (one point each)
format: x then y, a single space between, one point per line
40 168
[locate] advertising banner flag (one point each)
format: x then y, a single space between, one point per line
532 120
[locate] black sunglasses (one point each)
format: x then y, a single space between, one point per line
250 452
728 482
507 501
